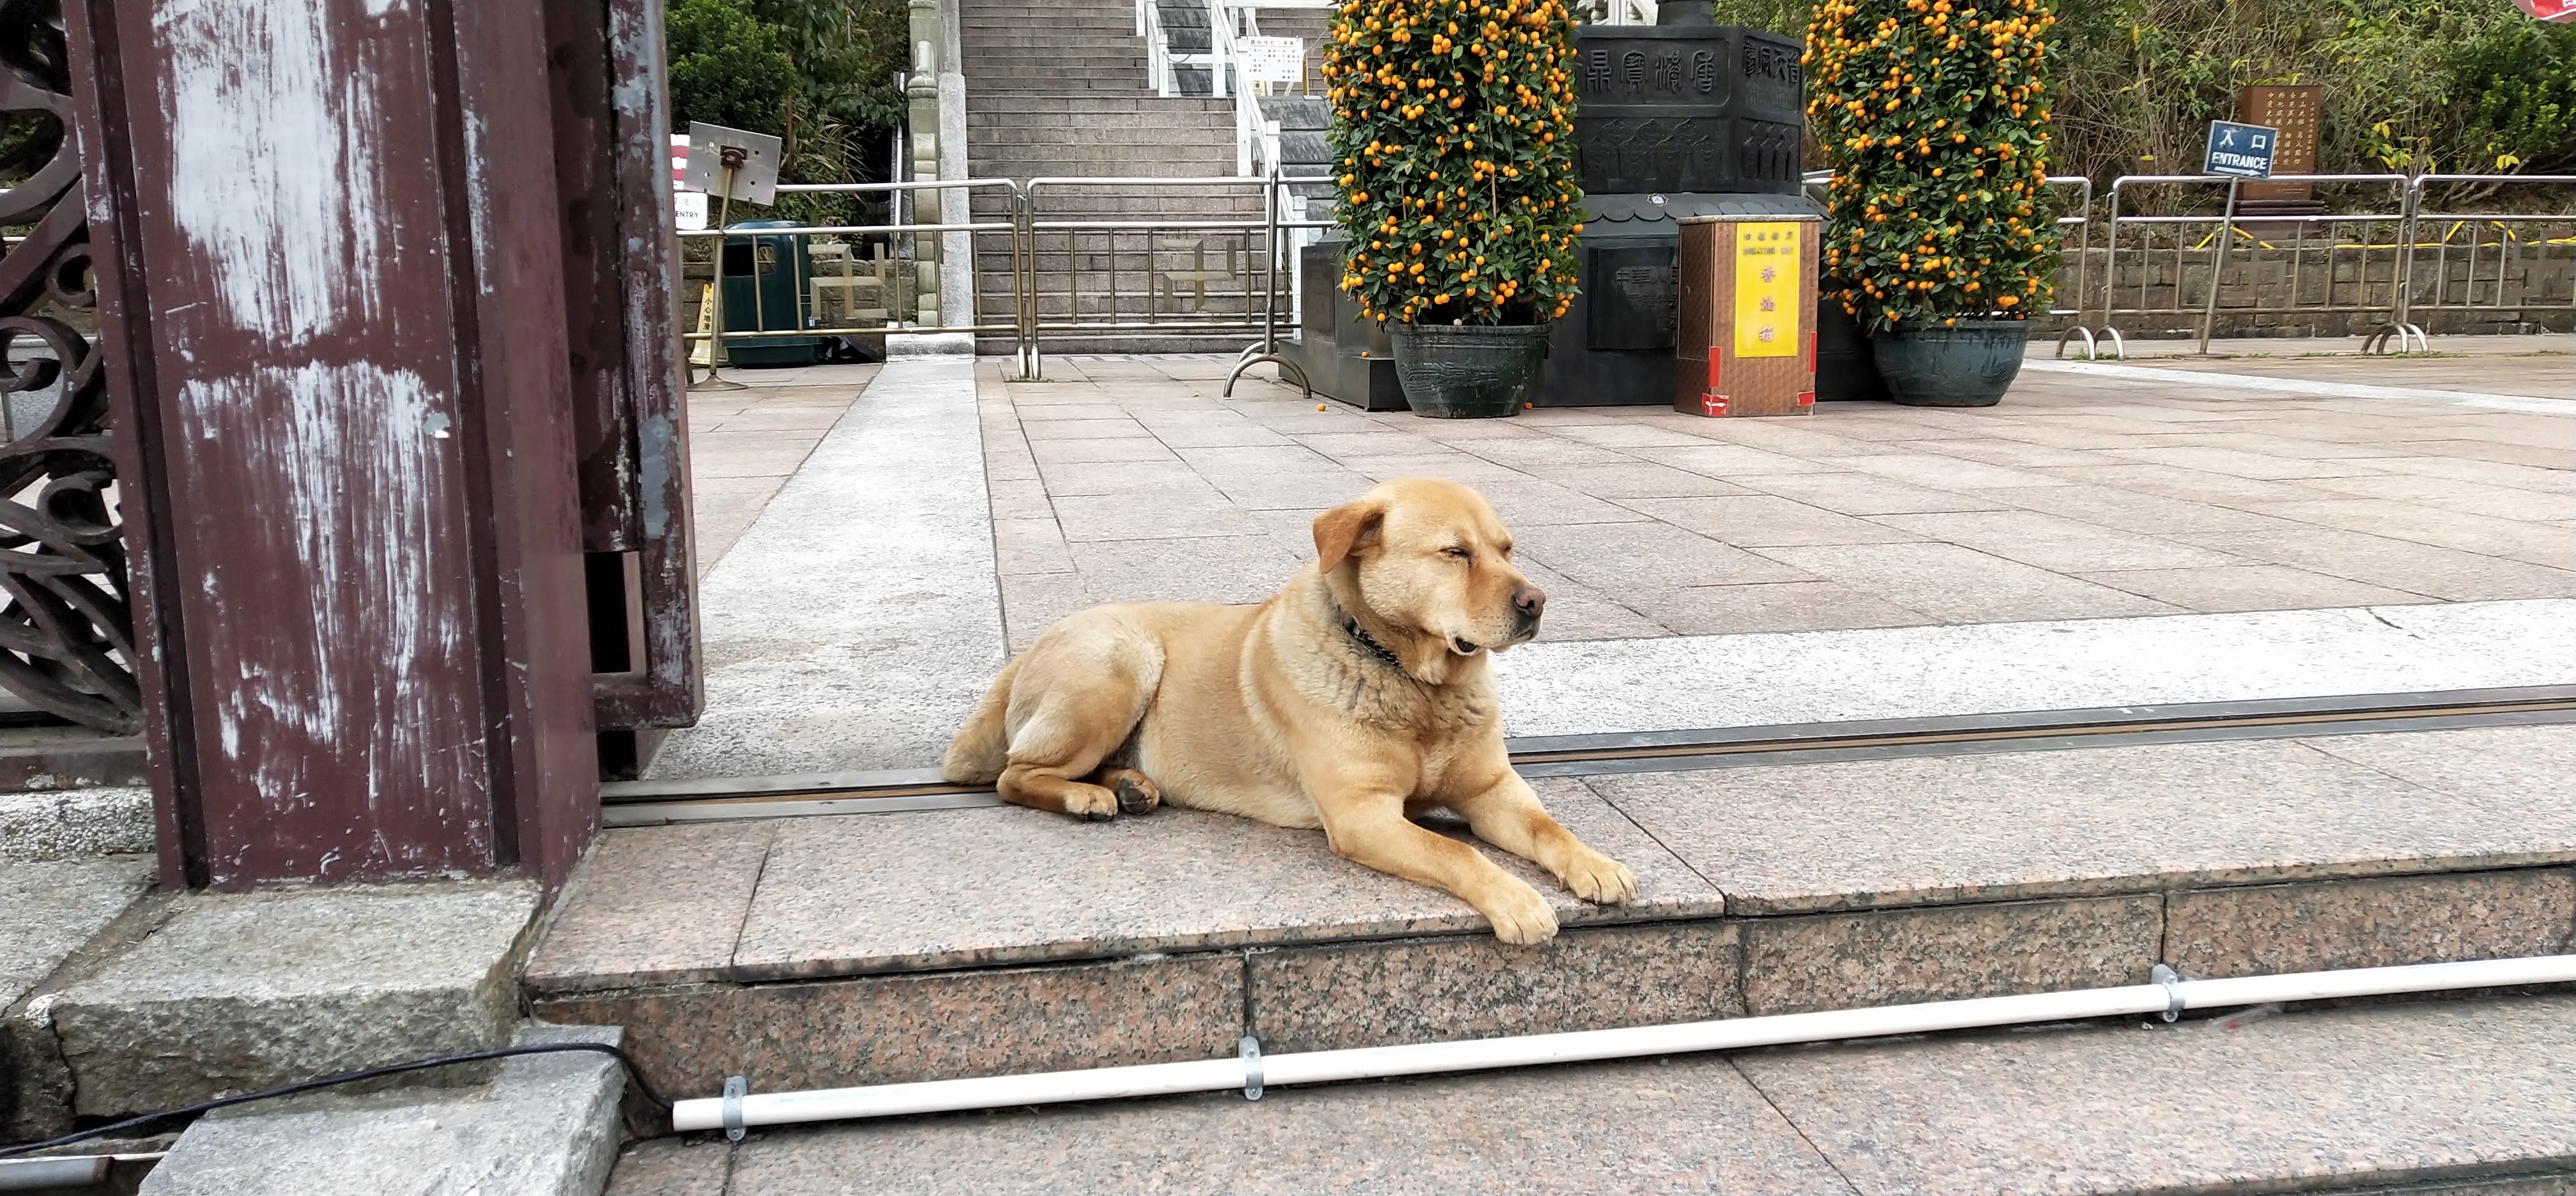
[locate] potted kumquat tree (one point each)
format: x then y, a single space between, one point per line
1453 129
1934 114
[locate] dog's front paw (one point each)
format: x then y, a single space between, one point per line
1091 802
1520 916
1601 880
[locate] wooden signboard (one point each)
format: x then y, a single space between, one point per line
1745 342
2293 109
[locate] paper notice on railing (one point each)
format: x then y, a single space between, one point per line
1271 59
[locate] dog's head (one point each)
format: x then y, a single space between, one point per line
1429 559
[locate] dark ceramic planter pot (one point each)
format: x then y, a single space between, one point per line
1845 365
1969 363
1467 371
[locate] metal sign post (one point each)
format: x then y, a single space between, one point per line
2238 152
1268 349
728 164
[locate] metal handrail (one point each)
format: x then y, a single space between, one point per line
1276 263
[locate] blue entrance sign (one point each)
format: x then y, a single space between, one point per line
2240 151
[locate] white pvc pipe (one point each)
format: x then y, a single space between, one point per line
1321 1067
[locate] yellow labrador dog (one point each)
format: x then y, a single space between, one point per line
1357 698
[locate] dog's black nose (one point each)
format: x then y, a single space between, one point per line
1528 601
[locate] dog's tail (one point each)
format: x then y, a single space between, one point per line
983 746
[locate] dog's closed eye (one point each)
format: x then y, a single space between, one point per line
1457 551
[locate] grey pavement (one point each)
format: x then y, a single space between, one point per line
2154 534
855 622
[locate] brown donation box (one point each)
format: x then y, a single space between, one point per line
1745 337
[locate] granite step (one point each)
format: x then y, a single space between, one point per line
185 996
2454 1097
824 951
541 1125
49 911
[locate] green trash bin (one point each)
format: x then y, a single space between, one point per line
764 291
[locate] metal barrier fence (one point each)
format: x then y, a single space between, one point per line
1082 263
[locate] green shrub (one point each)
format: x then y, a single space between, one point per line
1453 123
2408 84
727 67
1935 118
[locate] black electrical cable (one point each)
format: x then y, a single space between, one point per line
544 1048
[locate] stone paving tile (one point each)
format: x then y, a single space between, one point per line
2539 456
2248 587
2009 453
1031 603
1525 454
1175 514
1763 520
1634 479
1781 839
652 905
1631 435
1943 472
2140 511
1446 463
1578 612
2481 534
1869 494
1625 557
1956 584
1238 568
2237 463
1809 438
1544 504
1772 606
2491 764
2559 480
1022 886
1694 1126
2057 544
2501 502
1030 546
1083 429
2197 500
2271 444
2445 573
1094 479
2326 1100
1076 452
1732 462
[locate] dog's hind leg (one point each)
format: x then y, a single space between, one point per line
1077 699
977 755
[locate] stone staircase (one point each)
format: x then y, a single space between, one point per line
1060 90
836 950
2436 1098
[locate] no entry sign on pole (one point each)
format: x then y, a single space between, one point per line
2240 151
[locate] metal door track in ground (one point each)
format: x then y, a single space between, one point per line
647 803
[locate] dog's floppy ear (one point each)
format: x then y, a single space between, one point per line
1340 531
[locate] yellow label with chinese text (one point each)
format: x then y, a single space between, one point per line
1766 289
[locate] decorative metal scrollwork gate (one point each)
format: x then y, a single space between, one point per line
66 625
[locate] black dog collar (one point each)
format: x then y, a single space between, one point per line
1373 647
